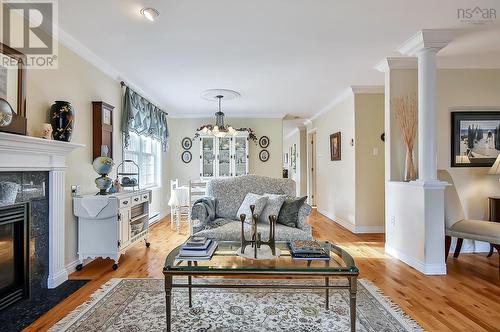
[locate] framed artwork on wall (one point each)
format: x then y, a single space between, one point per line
475 138
187 143
335 146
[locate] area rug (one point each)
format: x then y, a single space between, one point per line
139 305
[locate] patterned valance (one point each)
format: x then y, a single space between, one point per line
140 116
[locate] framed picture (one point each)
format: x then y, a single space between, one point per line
264 155
264 142
186 157
187 143
475 138
285 158
335 146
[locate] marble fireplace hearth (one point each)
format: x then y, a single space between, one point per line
31 161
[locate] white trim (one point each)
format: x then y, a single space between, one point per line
352 227
313 130
428 39
369 229
396 63
346 224
427 269
293 132
367 89
85 53
242 115
159 217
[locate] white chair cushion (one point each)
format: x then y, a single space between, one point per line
476 230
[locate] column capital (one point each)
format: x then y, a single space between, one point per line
431 39
396 62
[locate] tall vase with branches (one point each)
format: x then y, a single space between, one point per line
406 111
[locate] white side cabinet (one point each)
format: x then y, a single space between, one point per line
223 156
109 225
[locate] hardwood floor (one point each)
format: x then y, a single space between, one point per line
467 299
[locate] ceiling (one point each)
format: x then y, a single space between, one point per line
284 57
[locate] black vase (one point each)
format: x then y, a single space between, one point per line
62 119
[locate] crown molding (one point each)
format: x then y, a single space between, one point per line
291 133
367 89
85 53
340 98
434 39
227 115
400 62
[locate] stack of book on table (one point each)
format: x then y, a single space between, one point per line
197 248
307 250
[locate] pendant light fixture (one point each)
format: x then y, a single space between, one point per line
220 129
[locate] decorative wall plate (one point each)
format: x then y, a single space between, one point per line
186 157
187 143
264 155
264 142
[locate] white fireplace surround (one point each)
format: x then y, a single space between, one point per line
24 153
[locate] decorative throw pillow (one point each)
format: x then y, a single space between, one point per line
251 199
289 213
272 207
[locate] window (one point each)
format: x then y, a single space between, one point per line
145 151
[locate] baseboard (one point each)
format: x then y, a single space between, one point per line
346 224
57 279
158 217
71 267
427 269
351 227
471 246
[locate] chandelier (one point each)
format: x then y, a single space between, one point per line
220 129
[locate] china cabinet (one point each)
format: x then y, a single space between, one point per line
223 156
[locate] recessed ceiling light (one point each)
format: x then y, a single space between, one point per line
150 13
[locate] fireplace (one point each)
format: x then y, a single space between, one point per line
14 254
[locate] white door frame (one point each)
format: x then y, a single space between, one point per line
312 160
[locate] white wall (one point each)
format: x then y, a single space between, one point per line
298 138
336 179
186 127
80 83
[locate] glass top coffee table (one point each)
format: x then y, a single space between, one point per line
226 263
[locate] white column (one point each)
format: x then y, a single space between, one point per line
57 270
427 133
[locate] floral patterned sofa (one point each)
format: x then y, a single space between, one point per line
230 193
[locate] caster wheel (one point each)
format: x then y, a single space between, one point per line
115 266
79 267
148 244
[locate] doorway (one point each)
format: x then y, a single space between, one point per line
312 170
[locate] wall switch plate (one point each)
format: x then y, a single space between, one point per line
75 190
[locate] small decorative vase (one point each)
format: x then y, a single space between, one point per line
410 172
103 183
62 119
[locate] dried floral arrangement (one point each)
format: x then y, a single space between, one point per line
251 133
406 110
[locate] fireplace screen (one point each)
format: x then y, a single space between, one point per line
13 254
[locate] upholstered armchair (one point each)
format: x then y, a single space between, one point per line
458 226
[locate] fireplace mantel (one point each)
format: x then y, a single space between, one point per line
25 153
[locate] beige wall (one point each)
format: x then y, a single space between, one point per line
80 83
182 127
336 179
467 89
369 121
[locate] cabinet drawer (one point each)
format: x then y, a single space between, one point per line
136 199
145 197
126 202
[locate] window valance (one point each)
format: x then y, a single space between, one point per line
142 117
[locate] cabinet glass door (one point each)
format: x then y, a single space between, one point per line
207 156
240 156
224 161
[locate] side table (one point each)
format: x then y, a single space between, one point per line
494 212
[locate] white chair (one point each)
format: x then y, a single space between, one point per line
196 190
457 226
178 207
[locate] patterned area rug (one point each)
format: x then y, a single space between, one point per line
139 305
